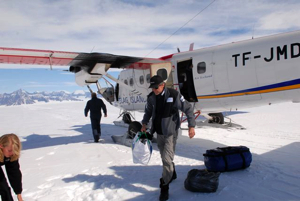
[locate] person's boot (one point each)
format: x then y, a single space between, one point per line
96 136
164 190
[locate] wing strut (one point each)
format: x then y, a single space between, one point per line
50 60
98 87
88 86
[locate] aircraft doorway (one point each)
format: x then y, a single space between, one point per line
186 80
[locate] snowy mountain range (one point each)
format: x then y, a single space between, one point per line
21 96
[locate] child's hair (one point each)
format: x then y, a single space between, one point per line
11 139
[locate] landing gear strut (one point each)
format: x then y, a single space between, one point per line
126 117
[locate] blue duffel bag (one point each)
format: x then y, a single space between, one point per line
224 159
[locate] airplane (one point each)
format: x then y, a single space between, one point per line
227 77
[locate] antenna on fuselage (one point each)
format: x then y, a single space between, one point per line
253 31
191 47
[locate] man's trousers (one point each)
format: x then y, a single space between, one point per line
166 146
96 128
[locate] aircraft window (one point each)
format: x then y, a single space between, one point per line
201 67
131 81
162 73
148 78
141 79
125 81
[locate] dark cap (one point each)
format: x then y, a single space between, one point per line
155 81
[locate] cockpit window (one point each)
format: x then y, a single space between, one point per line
162 73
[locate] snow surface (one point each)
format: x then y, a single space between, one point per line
60 163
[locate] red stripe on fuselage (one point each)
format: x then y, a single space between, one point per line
167 57
141 66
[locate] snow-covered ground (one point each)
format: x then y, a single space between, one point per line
60 163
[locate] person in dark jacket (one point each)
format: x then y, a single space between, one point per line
10 148
94 106
163 105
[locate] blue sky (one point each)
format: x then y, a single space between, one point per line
128 27
40 80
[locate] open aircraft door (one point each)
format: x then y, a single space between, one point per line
164 70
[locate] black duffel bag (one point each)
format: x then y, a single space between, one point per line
202 181
224 159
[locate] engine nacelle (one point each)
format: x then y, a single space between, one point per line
74 69
85 76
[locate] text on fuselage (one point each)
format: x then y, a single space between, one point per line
276 53
132 99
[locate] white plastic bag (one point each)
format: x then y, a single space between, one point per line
141 149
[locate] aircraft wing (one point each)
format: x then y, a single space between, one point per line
61 58
88 67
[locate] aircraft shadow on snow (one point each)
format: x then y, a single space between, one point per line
34 141
281 162
190 148
132 178
37 141
184 143
229 124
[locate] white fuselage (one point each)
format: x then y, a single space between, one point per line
232 76
131 100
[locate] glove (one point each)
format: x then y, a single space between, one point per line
150 136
